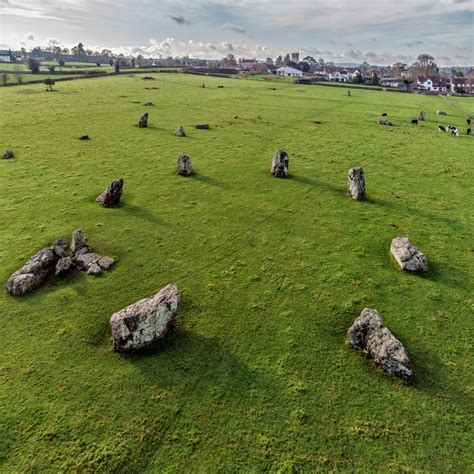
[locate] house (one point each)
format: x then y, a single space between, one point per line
391 81
288 71
462 85
5 57
246 64
431 83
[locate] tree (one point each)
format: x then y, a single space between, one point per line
425 64
375 79
293 65
106 52
321 61
111 62
50 83
358 79
34 65
309 59
24 54
399 69
304 66
61 63
133 62
364 66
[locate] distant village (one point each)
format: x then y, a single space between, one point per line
422 76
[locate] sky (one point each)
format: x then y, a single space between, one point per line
343 31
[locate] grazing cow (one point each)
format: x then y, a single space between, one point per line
468 121
441 128
384 114
468 131
414 122
454 132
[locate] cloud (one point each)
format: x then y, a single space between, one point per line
30 37
179 19
414 44
233 28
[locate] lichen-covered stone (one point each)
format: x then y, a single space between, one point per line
369 335
112 194
280 164
63 266
180 132
408 256
145 321
356 184
185 165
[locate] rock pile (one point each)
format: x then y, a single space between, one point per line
145 322
84 258
408 256
356 184
369 335
185 165
143 123
112 194
280 164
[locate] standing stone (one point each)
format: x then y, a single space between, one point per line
356 184
185 165
37 269
7 155
202 126
180 132
143 123
78 243
280 164
112 194
369 335
146 321
421 116
440 112
348 92
408 256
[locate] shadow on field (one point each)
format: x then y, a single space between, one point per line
206 180
141 213
318 184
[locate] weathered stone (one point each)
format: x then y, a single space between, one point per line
180 132
148 104
385 122
280 164
84 137
84 258
78 243
148 78
421 116
143 123
369 335
408 256
37 269
63 266
356 184
112 194
202 126
440 112
7 155
185 165
146 321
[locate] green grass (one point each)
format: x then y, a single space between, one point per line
258 376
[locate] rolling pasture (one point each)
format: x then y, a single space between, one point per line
258 375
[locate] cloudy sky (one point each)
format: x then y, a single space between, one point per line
378 31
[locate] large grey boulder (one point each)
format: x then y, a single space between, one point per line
280 163
408 256
112 194
185 165
356 184
145 321
84 258
369 335
37 269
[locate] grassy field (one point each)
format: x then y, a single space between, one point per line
258 376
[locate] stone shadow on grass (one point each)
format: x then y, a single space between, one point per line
141 213
206 180
340 190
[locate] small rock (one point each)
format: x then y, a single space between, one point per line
143 123
202 126
112 194
440 112
7 155
148 78
146 321
148 104
63 266
235 116
369 335
317 122
280 164
185 165
84 137
408 256
356 184
220 87
180 132
385 122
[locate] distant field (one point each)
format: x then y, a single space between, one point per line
258 376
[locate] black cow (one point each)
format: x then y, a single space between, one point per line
468 121
441 128
384 114
468 131
414 122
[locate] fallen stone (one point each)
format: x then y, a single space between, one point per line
84 258
148 78
143 122
369 335
202 126
112 194
146 321
440 112
63 266
7 155
280 164
84 137
408 256
37 269
180 132
185 165
220 87
148 104
78 243
385 122
356 184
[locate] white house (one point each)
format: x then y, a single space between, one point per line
5 57
288 71
431 83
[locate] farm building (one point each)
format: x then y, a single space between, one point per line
288 71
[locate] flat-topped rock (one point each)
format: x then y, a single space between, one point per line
202 126
148 104
280 163
37 269
385 122
84 137
185 165
112 194
146 321
369 335
408 256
